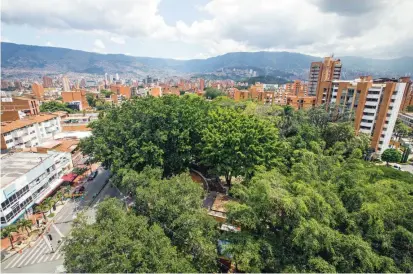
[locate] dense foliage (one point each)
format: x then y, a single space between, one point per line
212 93
53 106
305 199
121 242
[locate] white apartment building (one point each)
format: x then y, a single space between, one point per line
375 105
30 131
27 179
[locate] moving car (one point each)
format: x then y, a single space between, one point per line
92 175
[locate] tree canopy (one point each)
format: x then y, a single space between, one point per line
52 106
121 242
304 199
391 155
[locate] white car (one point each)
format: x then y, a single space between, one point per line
396 166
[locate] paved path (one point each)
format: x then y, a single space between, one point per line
39 258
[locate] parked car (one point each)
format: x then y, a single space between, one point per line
92 175
396 166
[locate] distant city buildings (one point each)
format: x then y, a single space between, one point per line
37 90
47 82
65 83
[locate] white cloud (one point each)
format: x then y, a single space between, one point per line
137 18
320 27
99 44
377 28
49 44
117 40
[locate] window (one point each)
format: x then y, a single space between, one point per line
364 127
370 107
381 142
374 92
368 114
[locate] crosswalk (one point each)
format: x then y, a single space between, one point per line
39 253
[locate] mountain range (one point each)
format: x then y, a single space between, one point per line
34 61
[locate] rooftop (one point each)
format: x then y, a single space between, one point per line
15 165
29 120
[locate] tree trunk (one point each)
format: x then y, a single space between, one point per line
228 178
28 232
44 216
387 163
11 241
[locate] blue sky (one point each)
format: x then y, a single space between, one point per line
186 29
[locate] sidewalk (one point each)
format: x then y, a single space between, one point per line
7 252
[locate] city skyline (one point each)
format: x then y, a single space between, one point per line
202 28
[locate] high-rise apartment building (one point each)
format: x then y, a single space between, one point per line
201 84
65 83
37 90
47 82
408 94
328 70
374 104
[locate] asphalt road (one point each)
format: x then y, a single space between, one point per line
39 258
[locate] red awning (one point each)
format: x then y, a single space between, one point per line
69 177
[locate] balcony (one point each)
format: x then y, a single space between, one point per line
25 138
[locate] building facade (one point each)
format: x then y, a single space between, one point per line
328 70
47 82
30 131
26 105
76 96
27 179
374 104
37 90
65 83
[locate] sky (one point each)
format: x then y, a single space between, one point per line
188 29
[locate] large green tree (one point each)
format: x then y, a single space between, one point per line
349 220
391 155
157 132
53 106
176 204
235 144
120 242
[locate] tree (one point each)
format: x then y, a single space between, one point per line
176 205
401 130
44 207
8 232
391 155
318 117
120 242
106 93
24 224
53 106
338 132
156 132
234 144
212 93
91 99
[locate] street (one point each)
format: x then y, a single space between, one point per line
39 258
